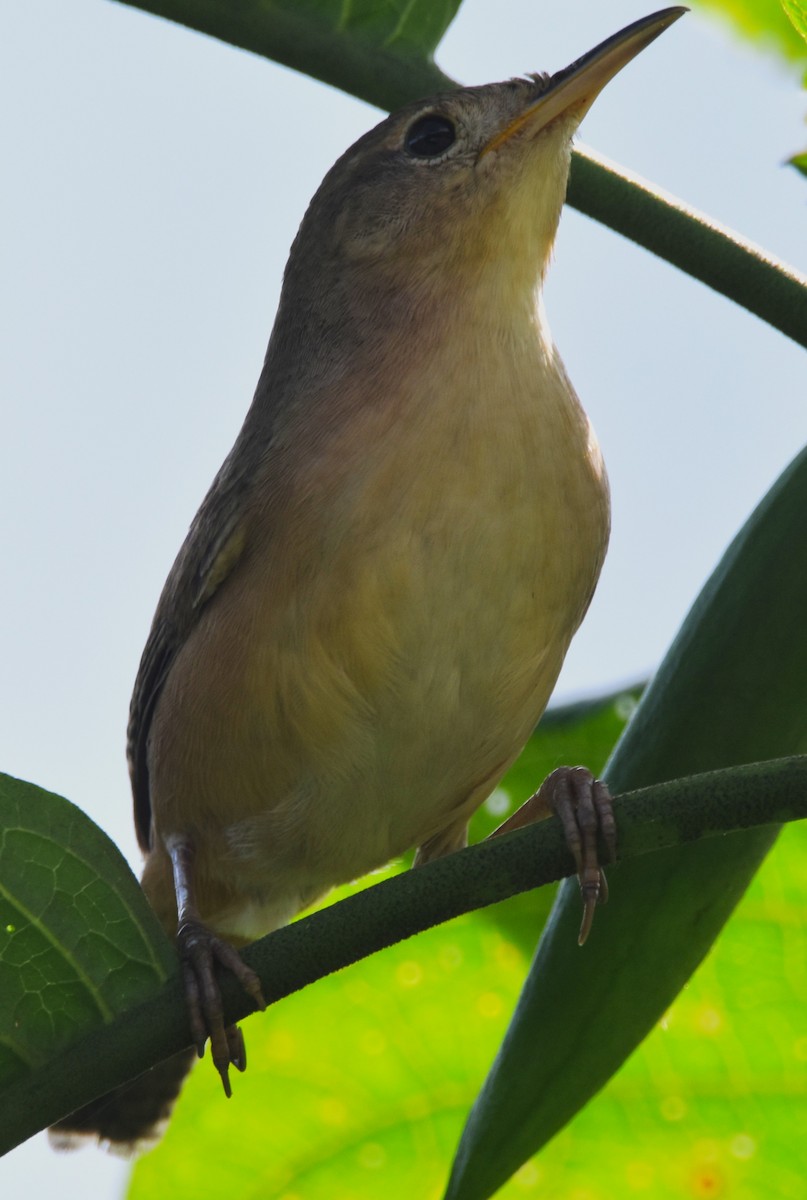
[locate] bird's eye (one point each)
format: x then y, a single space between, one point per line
430 136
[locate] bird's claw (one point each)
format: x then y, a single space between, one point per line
199 951
584 806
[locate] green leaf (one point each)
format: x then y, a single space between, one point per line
731 690
796 12
714 1102
799 161
78 941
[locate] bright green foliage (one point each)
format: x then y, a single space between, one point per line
358 1087
796 10
78 942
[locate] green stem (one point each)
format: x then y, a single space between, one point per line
691 241
667 814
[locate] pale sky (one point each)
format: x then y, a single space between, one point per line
153 182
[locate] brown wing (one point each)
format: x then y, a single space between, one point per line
155 664
210 553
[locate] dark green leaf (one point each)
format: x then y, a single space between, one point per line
78 942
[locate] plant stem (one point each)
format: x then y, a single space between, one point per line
690 240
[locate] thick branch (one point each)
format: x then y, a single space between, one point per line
684 810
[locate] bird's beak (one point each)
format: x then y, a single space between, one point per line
574 89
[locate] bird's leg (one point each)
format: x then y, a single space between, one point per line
199 949
584 806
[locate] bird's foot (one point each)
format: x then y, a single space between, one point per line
199 950
584 806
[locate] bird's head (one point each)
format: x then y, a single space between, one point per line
467 184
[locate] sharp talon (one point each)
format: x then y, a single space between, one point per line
201 951
238 1051
587 922
225 1082
584 806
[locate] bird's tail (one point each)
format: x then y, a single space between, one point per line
133 1117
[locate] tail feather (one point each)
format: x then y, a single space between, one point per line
130 1119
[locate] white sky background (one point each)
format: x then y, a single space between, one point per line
153 180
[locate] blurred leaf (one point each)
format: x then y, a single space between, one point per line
78 941
796 11
799 161
762 22
731 690
356 1087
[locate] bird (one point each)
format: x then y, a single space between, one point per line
373 604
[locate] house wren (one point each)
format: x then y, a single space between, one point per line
374 601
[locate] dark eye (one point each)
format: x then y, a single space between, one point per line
430 136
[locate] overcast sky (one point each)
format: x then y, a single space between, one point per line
153 182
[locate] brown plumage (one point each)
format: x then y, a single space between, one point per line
374 601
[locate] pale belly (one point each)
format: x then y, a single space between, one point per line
378 706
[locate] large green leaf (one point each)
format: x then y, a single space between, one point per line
78 942
731 690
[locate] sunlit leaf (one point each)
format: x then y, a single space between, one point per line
796 11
